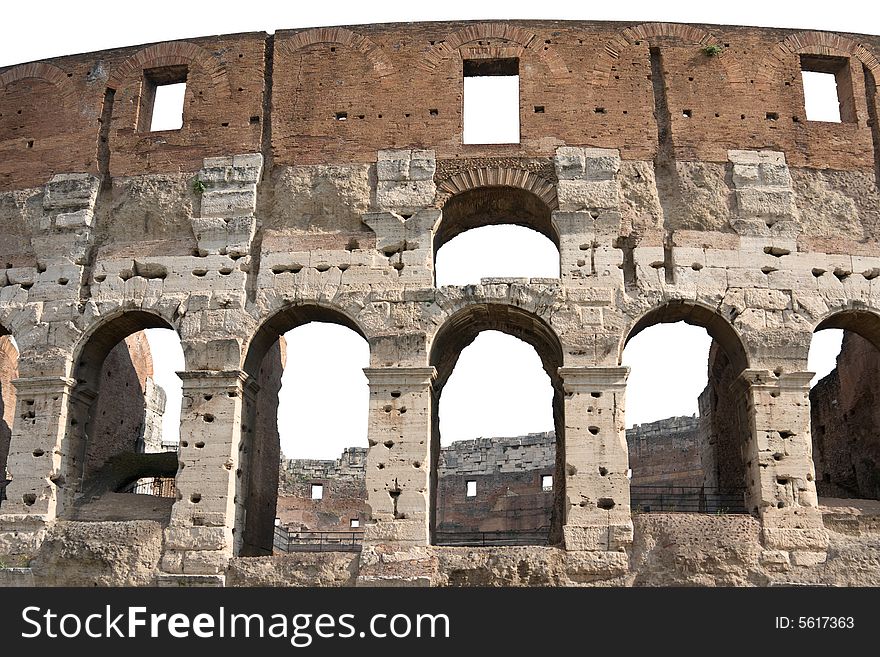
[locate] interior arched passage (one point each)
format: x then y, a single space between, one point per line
8 373
114 441
493 205
265 362
845 412
697 462
459 331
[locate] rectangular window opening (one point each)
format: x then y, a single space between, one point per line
162 99
471 489
828 90
317 491
547 482
355 523
491 101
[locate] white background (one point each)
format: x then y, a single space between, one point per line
498 387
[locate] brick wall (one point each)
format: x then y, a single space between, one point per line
8 372
119 416
340 94
666 452
845 417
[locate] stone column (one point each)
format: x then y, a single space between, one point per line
597 505
36 454
209 511
399 459
779 460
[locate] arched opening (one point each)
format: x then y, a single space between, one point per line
8 373
308 411
506 487
119 456
475 222
845 407
687 428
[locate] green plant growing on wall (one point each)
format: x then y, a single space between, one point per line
199 186
712 50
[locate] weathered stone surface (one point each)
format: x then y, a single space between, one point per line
99 554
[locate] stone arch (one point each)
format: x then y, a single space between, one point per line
724 430
84 477
171 54
860 320
459 330
374 53
290 316
40 71
493 197
697 314
816 43
522 41
262 453
653 33
844 416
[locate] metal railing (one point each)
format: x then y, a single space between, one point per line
155 486
462 538
287 540
687 499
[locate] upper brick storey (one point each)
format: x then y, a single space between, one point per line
400 86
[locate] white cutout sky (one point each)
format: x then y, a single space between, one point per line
490 110
168 107
89 26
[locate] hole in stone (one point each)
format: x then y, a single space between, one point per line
208 397
817 272
417 464
786 434
402 410
696 266
596 394
29 499
195 498
208 417
395 394
389 444
38 452
603 471
433 112
776 251
593 430
772 116
184 443
599 110
782 481
387 408
539 109
778 456
341 116
686 113
381 466
605 503
200 445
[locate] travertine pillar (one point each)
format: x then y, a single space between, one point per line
779 460
36 454
210 507
597 504
37 451
399 458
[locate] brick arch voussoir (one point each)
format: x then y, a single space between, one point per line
40 71
374 53
651 32
816 43
173 53
499 177
527 41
